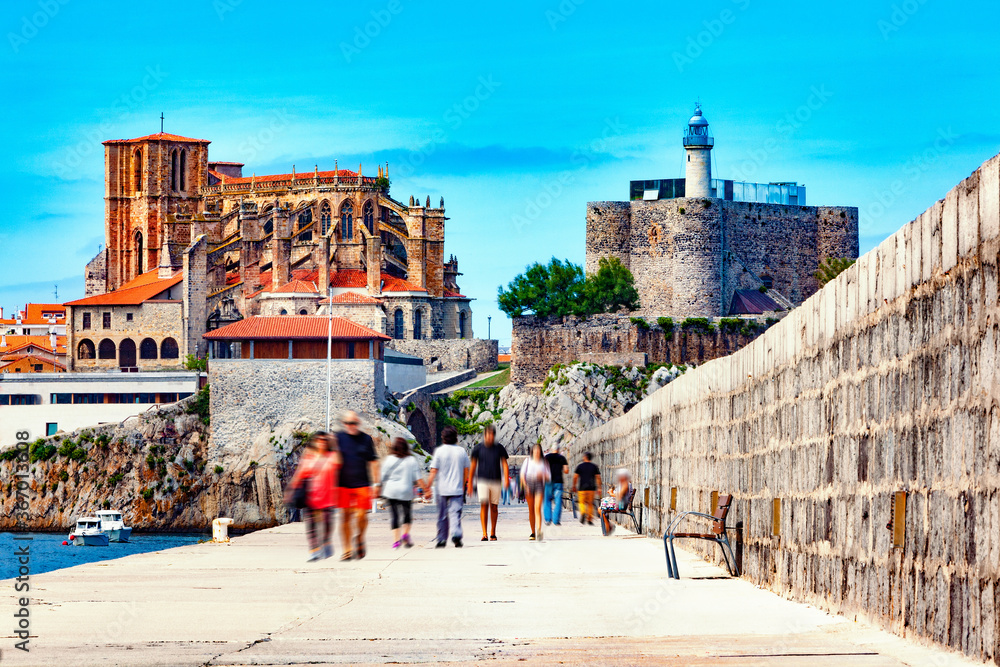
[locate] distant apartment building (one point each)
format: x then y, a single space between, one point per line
47 403
34 340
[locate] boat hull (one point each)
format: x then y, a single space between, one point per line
98 540
119 534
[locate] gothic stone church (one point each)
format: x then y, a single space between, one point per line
194 244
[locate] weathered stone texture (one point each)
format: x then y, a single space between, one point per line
689 254
875 385
451 355
252 395
539 344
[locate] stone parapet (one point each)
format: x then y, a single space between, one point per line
880 389
454 354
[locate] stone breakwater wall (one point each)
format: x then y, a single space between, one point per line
885 382
253 395
538 344
452 354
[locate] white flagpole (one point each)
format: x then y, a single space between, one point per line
329 353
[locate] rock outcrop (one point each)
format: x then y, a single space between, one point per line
161 472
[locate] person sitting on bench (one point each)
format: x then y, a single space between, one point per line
616 500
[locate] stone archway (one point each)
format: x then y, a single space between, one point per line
418 426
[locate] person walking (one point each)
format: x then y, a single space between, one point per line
400 474
358 470
317 471
489 471
552 505
535 474
586 481
449 467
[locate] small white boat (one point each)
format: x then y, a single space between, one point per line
114 526
88 533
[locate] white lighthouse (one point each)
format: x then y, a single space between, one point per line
698 143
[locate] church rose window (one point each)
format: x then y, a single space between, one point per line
347 221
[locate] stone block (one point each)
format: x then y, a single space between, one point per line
989 199
914 272
949 230
901 282
968 215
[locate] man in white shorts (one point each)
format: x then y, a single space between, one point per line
490 474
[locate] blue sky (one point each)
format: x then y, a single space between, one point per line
517 113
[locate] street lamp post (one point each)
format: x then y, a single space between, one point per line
489 323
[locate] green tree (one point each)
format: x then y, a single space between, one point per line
553 290
193 363
611 288
832 267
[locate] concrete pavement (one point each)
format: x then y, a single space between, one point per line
573 598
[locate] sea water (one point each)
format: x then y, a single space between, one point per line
48 553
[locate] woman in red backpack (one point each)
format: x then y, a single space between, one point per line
316 479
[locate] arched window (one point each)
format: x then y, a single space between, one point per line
168 349
418 321
461 324
147 349
305 219
368 216
107 349
347 221
173 171
137 170
183 174
85 350
324 218
140 255
303 311
283 312
398 325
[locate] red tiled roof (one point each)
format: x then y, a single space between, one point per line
7 361
298 287
33 311
293 327
299 176
215 174
159 136
349 278
394 284
15 343
456 295
351 298
136 291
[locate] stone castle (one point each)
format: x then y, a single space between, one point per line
705 254
195 236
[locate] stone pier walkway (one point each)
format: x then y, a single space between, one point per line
575 598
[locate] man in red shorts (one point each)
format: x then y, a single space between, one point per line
359 468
